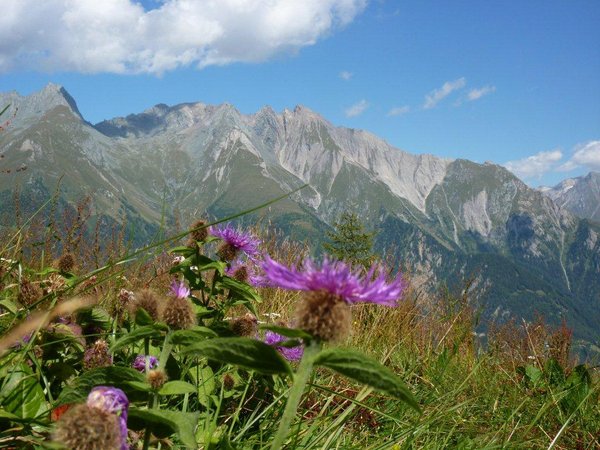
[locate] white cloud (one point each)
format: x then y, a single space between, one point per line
437 95
588 155
119 36
477 93
345 75
398 111
357 109
535 166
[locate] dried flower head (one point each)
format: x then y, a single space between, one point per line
140 363
157 378
247 272
330 289
66 262
84 427
234 241
179 312
125 297
199 233
149 301
228 382
54 284
113 401
97 355
289 353
29 293
245 326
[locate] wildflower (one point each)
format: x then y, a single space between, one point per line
177 260
180 290
157 378
179 311
140 363
245 326
330 289
97 355
113 401
289 353
125 297
235 241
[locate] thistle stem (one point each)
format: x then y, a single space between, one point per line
300 379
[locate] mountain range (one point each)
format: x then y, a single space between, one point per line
444 220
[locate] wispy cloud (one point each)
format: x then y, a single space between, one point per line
437 95
477 93
586 155
345 75
357 109
120 36
398 111
535 166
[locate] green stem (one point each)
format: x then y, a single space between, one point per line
295 394
165 352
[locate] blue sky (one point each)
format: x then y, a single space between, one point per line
505 81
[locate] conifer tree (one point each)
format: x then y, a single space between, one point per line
350 241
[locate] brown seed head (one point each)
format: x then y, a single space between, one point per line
241 274
245 326
86 428
179 313
200 232
66 263
29 293
157 378
148 300
324 315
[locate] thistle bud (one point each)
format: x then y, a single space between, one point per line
157 378
84 427
228 382
149 301
245 326
324 315
227 252
66 263
29 293
179 313
199 233
97 355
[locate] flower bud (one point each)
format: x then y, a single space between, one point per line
157 378
179 313
97 355
245 326
85 427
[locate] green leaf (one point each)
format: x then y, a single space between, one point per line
191 336
241 290
9 306
287 332
533 374
163 423
120 377
243 352
147 331
177 387
22 394
142 318
367 371
204 378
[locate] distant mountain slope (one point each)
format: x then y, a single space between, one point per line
443 219
579 195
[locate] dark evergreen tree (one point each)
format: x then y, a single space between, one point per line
350 241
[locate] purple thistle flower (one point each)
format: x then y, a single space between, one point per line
179 289
289 353
238 240
140 363
338 279
114 401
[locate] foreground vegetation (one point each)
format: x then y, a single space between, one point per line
196 336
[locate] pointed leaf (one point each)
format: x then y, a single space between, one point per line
243 352
147 331
287 332
163 423
367 371
191 336
177 387
22 394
